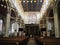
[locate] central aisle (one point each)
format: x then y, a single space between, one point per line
31 41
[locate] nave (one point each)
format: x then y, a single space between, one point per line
29 41
29 22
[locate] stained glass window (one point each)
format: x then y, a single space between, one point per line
32 19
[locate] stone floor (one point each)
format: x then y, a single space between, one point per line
31 42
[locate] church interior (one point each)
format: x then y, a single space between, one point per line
29 22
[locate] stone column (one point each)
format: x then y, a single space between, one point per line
3 28
56 22
16 24
19 27
8 16
48 31
20 23
7 25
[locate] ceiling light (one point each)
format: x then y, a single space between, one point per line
7 7
40 0
20 1
55 0
3 0
27 1
35 1
31 1
2 5
6 0
23 1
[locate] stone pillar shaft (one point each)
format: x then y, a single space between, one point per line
56 21
48 31
7 25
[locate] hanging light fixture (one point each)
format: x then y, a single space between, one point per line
2 5
34 1
20 1
27 1
24 1
6 0
2 0
40 0
31 1
5 6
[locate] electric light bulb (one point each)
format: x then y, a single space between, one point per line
7 7
31 1
27 1
3 0
34 1
20 1
23 1
2 5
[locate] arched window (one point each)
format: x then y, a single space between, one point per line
32 19
15 26
1 23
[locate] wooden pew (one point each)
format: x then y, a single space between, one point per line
49 41
12 40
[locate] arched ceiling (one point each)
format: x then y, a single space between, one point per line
28 7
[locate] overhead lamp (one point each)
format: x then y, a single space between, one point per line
3 0
40 0
34 1
6 0
2 5
55 0
31 1
27 1
20 1
23 1
7 7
